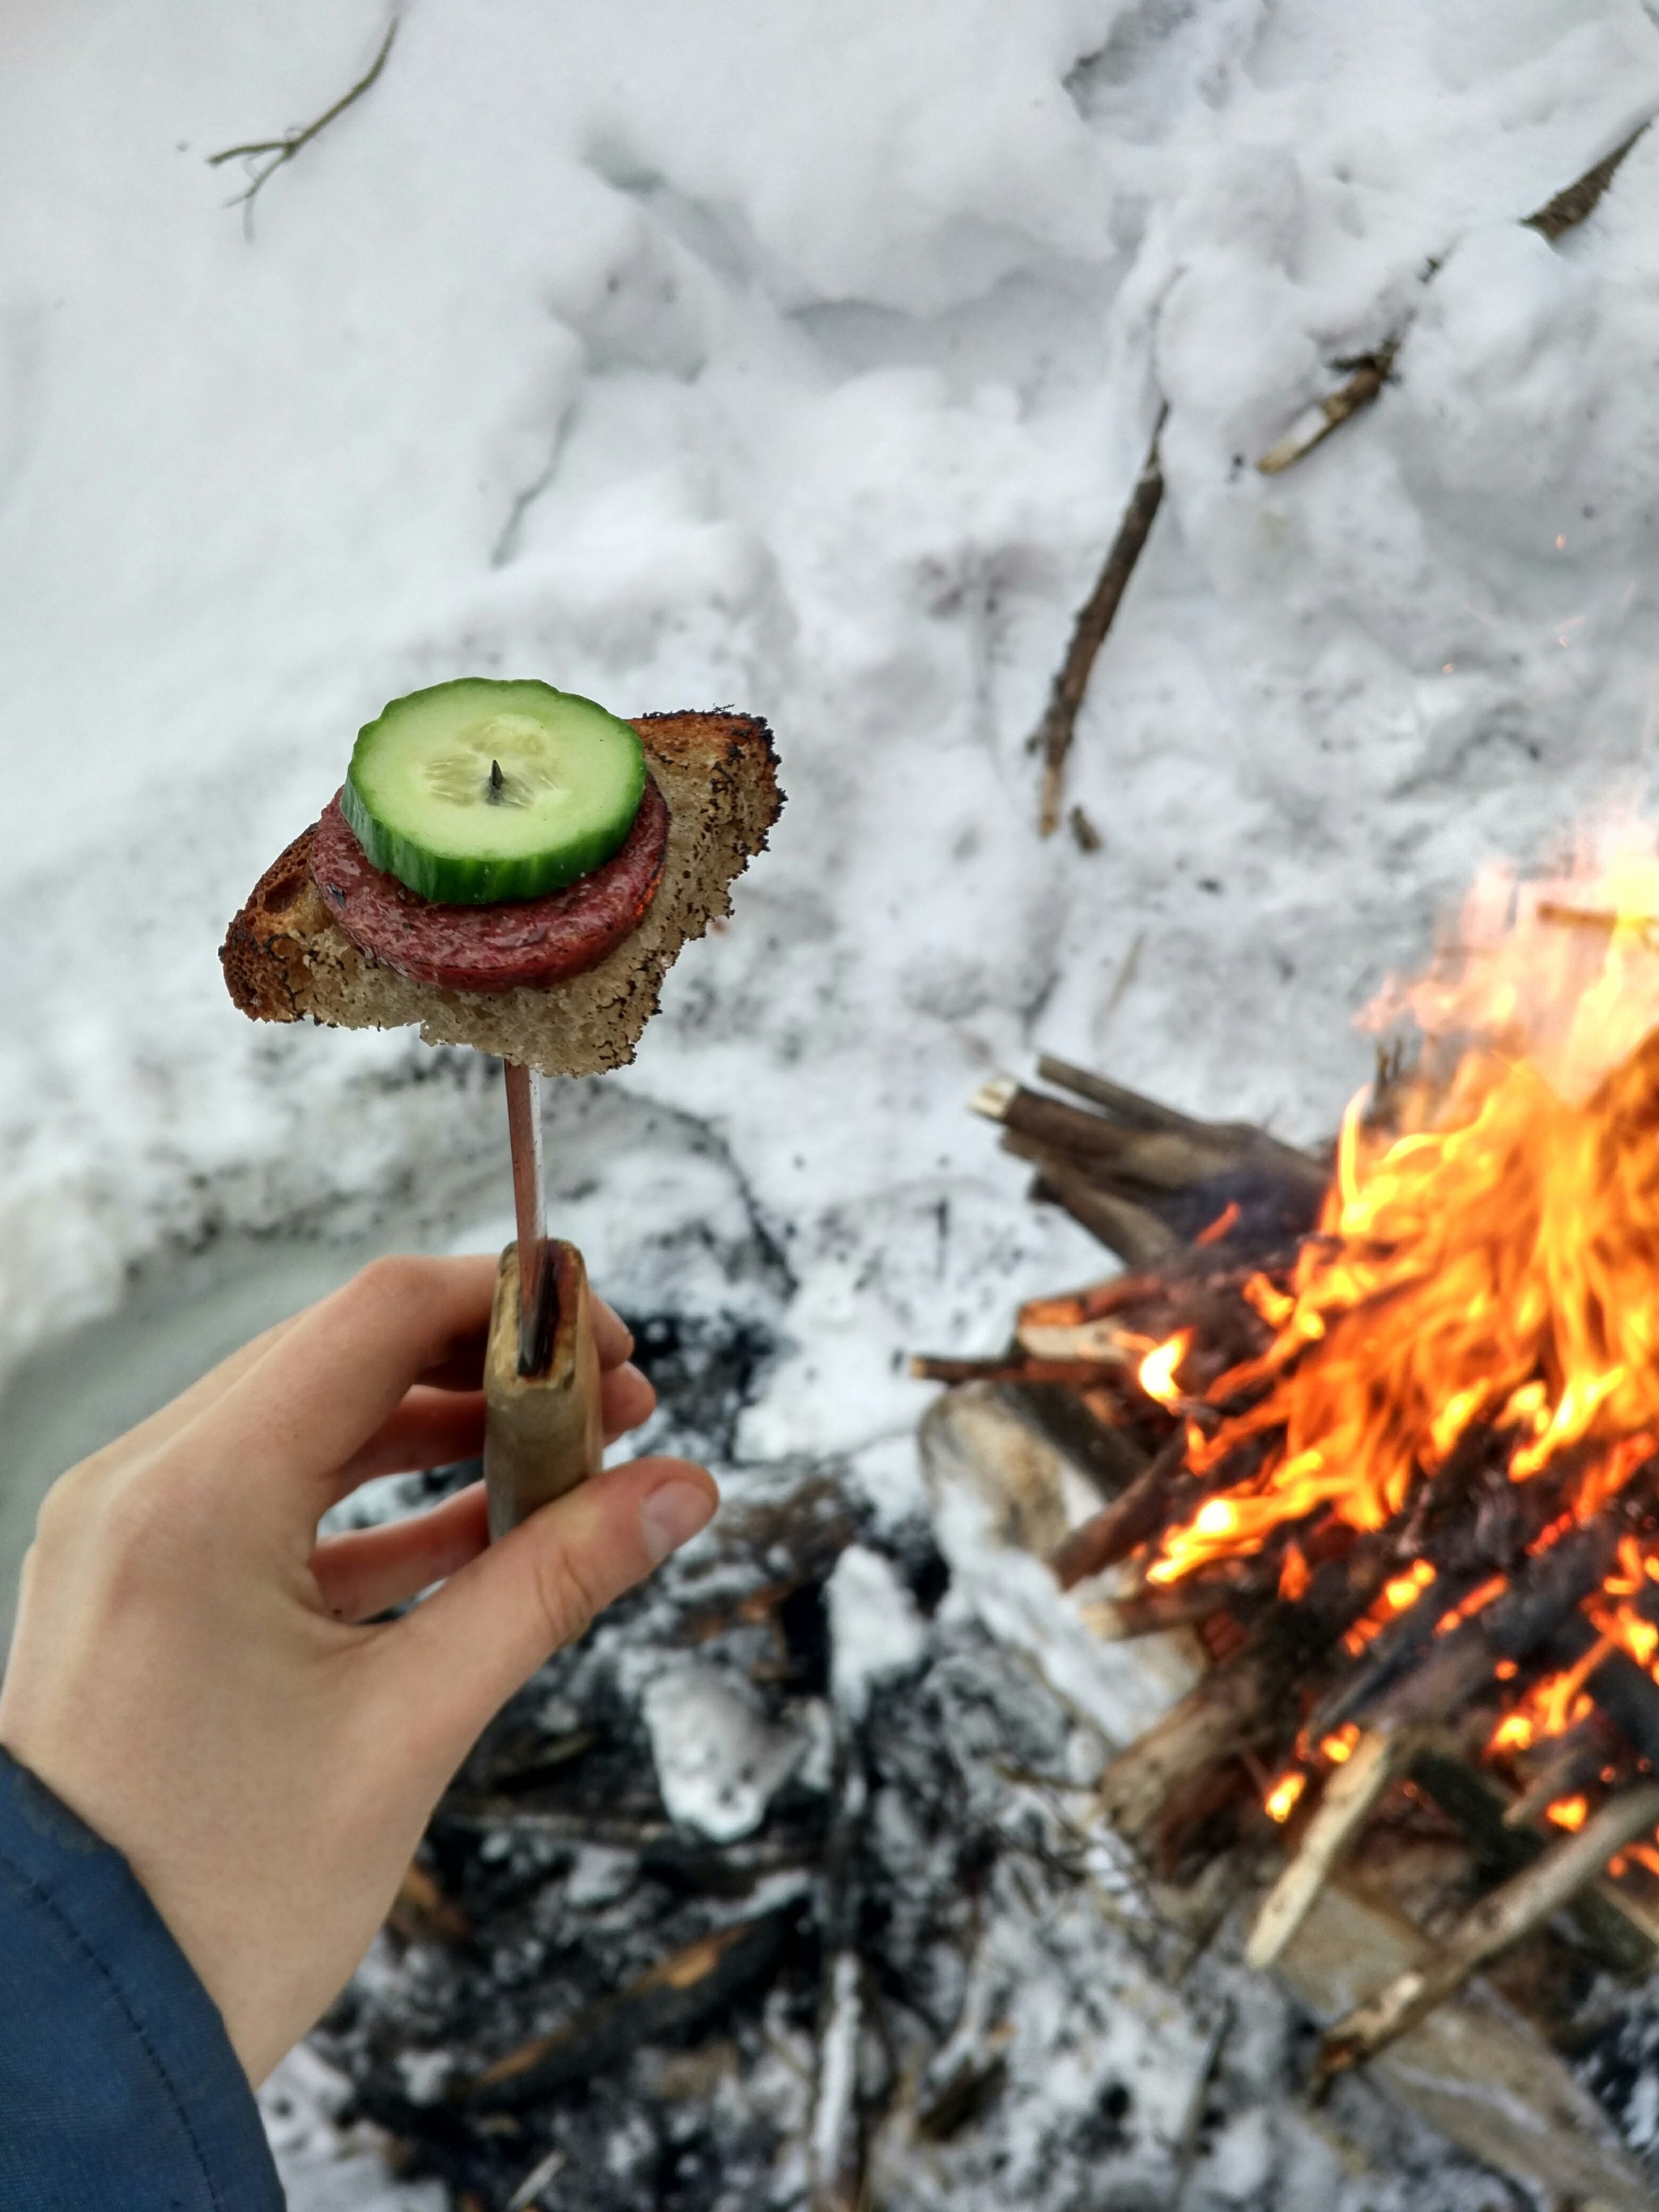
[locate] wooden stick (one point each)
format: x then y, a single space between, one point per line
1080 1374
1236 1137
1114 1533
543 1433
1053 734
1315 423
1493 1924
1133 1232
1350 1796
1571 206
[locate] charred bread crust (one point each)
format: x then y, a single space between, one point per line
285 956
264 952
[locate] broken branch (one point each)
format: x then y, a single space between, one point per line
1493 1924
1054 732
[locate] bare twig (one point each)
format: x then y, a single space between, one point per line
1192 2127
1369 372
1497 1921
1053 734
1315 423
285 147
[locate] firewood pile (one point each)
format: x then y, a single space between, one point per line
1380 1430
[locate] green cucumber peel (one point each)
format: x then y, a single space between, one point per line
481 790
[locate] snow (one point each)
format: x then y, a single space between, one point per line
800 359
875 1629
718 1761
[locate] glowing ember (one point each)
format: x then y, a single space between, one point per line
1282 1799
1569 1812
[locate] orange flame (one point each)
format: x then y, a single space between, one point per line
1490 1257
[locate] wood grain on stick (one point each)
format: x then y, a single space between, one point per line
543 1433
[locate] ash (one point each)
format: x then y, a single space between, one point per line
780 1888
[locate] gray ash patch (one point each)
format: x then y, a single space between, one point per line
706 1370
1618 2063
578 1982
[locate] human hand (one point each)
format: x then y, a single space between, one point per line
191 1671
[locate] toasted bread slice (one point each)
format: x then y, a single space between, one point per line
286 957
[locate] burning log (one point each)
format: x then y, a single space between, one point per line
1053 734
1569 1763
1491 1927
1350 1797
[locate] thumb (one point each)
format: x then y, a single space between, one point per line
459 1656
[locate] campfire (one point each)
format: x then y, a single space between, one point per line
831 1870
1385 1431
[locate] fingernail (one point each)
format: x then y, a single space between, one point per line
671 1517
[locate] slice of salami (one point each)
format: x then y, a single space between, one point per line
490 948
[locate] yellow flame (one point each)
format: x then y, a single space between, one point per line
1281 1800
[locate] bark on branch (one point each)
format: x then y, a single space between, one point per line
1053 734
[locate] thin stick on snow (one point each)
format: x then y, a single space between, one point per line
1053 735
1315 423
1497 1921
1571 206
1350 1795
1192 2127
1370 372
285 147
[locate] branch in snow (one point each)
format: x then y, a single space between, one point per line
285 147
1053 734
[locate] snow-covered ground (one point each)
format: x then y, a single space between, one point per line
800 359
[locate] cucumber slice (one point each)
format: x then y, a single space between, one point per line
477 791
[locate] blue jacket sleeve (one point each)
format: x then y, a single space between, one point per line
118 2082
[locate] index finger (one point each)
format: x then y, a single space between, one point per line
342 1367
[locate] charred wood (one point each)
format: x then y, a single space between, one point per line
1563 1767
1542 1596
667 2003
1247 1700
1122 1527
1137 1235
1606 1925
